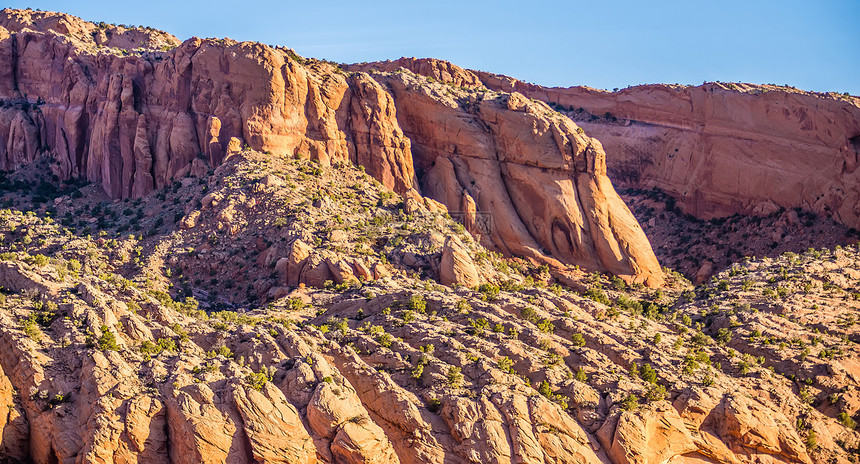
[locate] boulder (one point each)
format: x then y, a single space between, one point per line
457 266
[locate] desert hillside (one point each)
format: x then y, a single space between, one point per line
136 119
222 252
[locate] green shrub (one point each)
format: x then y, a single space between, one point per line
107 340
295 304
416 303
630 402
634 370
384 339
545 389
505 364
846 420
463 306
489 292
455 377
167 344
31 328
258 380
656 393
724 336
597 295
529 314
418 371
546 326
811 440
648 374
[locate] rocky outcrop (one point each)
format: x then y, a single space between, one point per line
137 119
718 148
721 149
107 355
537 181
87 33
456 266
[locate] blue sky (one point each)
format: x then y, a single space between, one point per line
810 45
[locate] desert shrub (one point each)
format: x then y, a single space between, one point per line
258 380
546 326
479 326
384 339
295 304
505 364
455 377
167 344
811 440
648 374
529 314
656 393
463 306
724 336
107 340
489 292
846 420
31 328
416 303
597 295
630 402
545 389
634 370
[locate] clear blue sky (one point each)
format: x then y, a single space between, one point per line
810 45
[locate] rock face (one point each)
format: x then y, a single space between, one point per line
538 183
456 266
136 121
525 178
719 149
723 149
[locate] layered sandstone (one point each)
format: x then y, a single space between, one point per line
137 119
718 148
538 180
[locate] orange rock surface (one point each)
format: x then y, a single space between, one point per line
137 120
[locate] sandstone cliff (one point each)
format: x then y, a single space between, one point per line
136 119
719 149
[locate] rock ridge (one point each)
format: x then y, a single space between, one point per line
718 148
138 119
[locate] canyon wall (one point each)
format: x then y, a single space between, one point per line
136 119
719 149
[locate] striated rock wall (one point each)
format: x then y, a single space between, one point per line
539 181
136 120
719 149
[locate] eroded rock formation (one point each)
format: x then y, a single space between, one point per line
718 148
137 119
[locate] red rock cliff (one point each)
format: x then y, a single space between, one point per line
718 148
124 108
